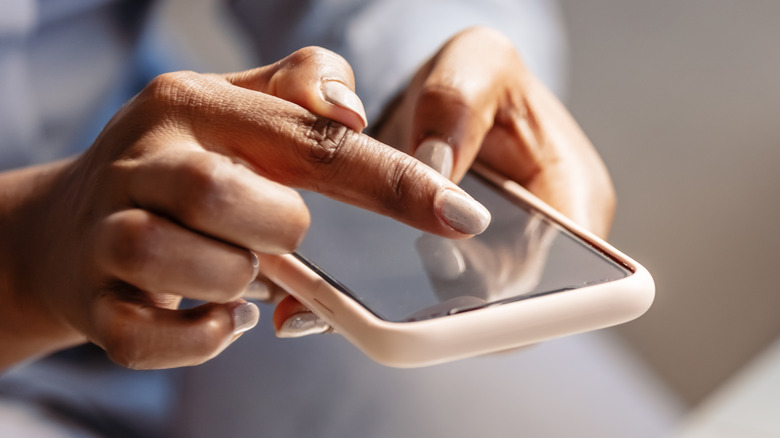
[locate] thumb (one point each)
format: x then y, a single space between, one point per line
315 78
142 336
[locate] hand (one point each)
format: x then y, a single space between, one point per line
183 186
475 99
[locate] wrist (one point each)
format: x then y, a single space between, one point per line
28 326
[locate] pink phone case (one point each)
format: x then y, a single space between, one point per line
485 330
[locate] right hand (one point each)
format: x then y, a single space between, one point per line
184 184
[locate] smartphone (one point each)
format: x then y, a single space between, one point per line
407 298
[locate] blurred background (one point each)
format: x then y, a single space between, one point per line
678 99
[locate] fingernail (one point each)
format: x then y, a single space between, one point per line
255 265
437 154
257 290
441 257
339 94
461 212
303 324
245 316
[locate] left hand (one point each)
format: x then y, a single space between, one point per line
475 99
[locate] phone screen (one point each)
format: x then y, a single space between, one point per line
402 274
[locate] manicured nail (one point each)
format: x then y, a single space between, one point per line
303 324
441 257
339 94
437 154
255 265
245 316
257 290
461 212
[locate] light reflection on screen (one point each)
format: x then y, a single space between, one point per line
402 274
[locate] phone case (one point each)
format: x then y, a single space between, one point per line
486 330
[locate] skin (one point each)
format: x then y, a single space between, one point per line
195 172
188 178
478 95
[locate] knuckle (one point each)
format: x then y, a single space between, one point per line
200 177
311 54
402 179
180 89
449 106
170 84
131 241
326 141
442 96
445 103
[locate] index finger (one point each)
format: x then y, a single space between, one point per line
292 146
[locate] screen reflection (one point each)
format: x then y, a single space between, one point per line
402 274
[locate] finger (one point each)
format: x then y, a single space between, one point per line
141 336
156 255
294 320
460 92
207 192
315 78
265 290
286 143
289 145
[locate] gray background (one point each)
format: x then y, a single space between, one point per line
682 100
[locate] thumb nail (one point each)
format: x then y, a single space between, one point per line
257 290
339 94
303 324
437 154
245 317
